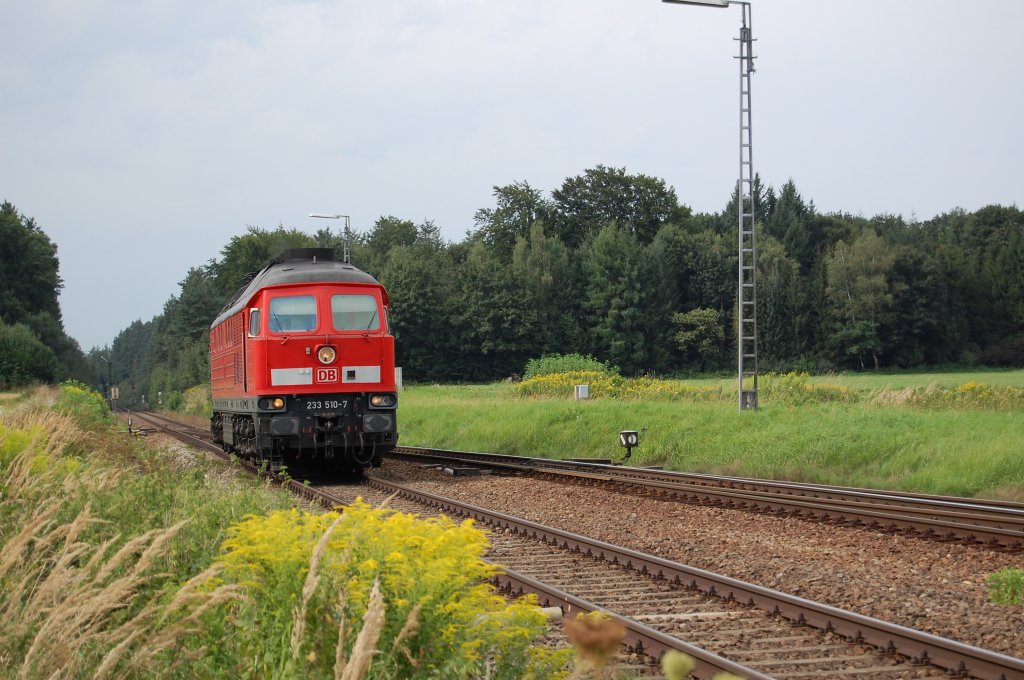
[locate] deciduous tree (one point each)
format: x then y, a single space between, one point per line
518 207
584 204
24 358
251 252
699 334
859 289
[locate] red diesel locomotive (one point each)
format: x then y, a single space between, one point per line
302 366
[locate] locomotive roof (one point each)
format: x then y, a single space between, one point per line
298 265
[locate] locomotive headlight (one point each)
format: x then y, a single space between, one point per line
326 354
275 403
382 400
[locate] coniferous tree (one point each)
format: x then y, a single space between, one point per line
792 223
916 330
495 321
553 284
419 283
616 298
779 301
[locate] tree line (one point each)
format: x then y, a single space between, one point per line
611 264
34 348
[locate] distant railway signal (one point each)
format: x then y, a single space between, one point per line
629 439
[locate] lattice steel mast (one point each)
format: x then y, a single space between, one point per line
746 344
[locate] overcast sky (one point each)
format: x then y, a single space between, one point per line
143 134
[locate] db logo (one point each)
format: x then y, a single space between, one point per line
326 375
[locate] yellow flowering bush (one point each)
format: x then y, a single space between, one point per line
561 384
83 403
14 440
605 385
644 388
979 395
439 616
114 563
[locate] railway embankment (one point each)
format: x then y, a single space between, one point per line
124 558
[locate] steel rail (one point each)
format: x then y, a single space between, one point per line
997 524
173 428
640 639
919 646
794 488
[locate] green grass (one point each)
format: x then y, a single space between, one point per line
1007 587
945 451
892 379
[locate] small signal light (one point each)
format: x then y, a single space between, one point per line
629 439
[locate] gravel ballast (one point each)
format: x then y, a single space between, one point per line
935 587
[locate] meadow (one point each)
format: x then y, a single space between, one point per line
957 433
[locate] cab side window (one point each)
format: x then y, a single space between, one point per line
254 323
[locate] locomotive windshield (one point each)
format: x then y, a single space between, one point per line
293 314
355 312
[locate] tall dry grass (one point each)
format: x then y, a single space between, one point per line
366 642
74 607
308 588
69 593
968 395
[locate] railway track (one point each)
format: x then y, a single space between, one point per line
776 634
764 633
994 524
